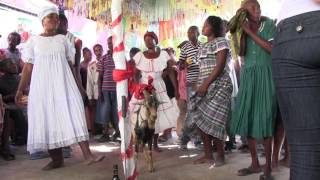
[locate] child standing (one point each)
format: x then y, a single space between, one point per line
255 110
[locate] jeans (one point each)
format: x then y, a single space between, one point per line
107 109
296 71
188 127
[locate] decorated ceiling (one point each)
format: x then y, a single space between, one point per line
170 19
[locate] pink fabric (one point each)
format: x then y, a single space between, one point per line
182 84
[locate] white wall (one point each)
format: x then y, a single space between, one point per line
270 8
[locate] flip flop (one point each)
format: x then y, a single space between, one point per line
247 171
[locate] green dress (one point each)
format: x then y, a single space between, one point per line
255 110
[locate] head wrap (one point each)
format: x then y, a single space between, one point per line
151 34
45 11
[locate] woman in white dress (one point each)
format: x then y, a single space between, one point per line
55 108
151 64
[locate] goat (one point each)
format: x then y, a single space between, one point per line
144 126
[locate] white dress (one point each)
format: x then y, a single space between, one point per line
168 112
56 115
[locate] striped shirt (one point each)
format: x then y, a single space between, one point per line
106 66
189 51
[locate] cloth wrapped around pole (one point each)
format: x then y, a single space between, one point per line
237 34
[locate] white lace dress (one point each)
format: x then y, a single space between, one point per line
55 108
168 112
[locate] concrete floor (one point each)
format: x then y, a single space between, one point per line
171 164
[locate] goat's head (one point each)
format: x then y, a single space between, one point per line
151 103
148 109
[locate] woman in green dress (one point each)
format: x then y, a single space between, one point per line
255 110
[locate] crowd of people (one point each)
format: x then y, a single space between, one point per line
268 93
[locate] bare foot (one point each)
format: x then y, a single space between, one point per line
53 165
285 162
248 171
220 161
157 149
204 160
94 160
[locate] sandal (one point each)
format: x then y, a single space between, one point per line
247 171
266 177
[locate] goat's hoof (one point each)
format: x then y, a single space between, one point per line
151 170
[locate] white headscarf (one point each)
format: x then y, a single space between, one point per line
45 11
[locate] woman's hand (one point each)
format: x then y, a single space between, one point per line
246 27
18 98
177 94
202 89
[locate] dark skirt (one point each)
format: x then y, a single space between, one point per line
296 71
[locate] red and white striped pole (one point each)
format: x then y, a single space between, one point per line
127 152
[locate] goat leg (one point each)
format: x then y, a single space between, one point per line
149 155
149 159
151 167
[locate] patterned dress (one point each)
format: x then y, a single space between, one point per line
211 112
